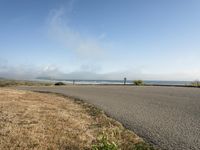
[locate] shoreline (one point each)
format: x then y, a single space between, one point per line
9 83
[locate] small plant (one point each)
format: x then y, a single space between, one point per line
59 83
196 83
138 82
105 144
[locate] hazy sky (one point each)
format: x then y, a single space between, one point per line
100 39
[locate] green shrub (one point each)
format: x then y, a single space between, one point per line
138 82
105 144
59 83
196 83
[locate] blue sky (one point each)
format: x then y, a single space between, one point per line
100 39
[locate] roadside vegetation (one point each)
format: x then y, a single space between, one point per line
59 84
8 83
196 83
138 82
32 120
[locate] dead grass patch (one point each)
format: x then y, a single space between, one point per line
32 120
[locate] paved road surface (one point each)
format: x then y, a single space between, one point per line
168 117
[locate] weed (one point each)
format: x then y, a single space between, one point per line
59 83
196 83
105 144
138 82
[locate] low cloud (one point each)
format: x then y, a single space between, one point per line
84 46
87 73
28 71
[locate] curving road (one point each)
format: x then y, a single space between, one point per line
168 117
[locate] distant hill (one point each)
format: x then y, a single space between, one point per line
45 78
49 78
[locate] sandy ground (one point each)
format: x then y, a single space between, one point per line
168 117
31 120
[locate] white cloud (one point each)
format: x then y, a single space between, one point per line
88 72
90 48
29 71
62 32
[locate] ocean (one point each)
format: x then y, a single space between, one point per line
116 82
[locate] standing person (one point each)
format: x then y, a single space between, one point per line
125 81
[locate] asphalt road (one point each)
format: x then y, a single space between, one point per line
168 117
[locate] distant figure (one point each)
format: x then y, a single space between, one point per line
73 82
125 81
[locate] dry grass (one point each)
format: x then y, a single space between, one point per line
31 120
10 83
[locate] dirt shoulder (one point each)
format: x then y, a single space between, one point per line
32 120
